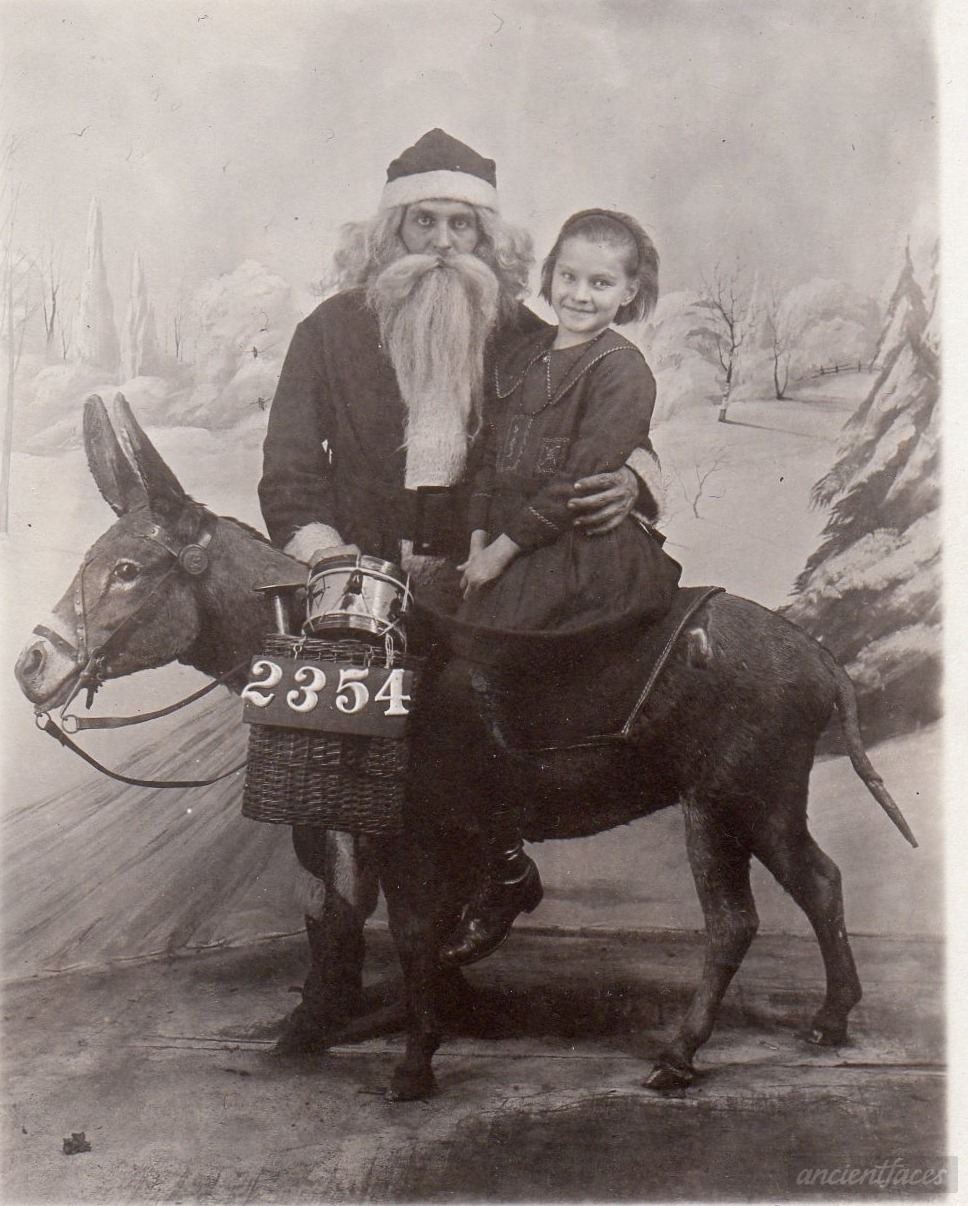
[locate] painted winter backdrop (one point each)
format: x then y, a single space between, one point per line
870 591
799 437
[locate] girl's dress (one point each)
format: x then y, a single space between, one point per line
557 416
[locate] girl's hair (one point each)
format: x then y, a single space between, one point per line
620 231
366 248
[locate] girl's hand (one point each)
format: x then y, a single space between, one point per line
487 563
478 542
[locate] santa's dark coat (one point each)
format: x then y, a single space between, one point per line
333 451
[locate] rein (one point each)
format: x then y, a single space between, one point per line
191 559
46 725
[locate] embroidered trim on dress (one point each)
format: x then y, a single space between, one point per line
571 378
545 520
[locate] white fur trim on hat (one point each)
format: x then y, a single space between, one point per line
645 465
439 186
305 541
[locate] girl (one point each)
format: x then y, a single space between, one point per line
569 403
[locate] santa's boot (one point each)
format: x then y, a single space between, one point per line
510 886
332 993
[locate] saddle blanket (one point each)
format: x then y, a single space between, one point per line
571 696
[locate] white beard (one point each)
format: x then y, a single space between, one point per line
435 317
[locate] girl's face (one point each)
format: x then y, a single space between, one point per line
588 285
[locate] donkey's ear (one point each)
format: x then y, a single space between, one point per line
116 477
165 492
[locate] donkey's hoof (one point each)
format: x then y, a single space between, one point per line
407 1085
300 1044
824 1035
670 1074
303 1035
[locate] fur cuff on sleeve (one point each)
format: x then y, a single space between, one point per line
645 466
305 541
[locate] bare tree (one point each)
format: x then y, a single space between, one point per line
779 335
179 330
48 271
64 332
694 483
16 310
723 309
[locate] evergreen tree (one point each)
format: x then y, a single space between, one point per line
139 342
872 590
95 335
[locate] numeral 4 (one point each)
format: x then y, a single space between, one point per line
392 693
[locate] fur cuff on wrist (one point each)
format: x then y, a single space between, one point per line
305 541
645 466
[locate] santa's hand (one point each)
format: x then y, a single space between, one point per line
314 540
603 500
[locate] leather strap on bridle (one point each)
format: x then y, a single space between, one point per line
79 723
191 559
47 725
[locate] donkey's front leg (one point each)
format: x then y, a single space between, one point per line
420 908
720 863
413 1077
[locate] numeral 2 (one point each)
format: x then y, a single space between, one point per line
254 691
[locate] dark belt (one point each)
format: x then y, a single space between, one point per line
436 521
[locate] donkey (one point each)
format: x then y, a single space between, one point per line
731 737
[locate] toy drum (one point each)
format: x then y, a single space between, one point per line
360 594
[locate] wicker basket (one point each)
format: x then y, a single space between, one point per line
333 780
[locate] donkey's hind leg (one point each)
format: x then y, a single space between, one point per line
720 862
812 878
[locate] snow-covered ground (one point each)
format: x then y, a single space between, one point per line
738 517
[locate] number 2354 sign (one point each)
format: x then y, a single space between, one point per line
334 697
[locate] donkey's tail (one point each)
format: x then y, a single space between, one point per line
847 707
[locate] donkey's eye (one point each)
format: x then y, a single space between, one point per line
126 571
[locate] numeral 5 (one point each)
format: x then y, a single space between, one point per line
351 695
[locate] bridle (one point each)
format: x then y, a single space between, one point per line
191 559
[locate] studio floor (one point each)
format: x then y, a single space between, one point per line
165 1066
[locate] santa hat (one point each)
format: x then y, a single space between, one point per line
439 168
